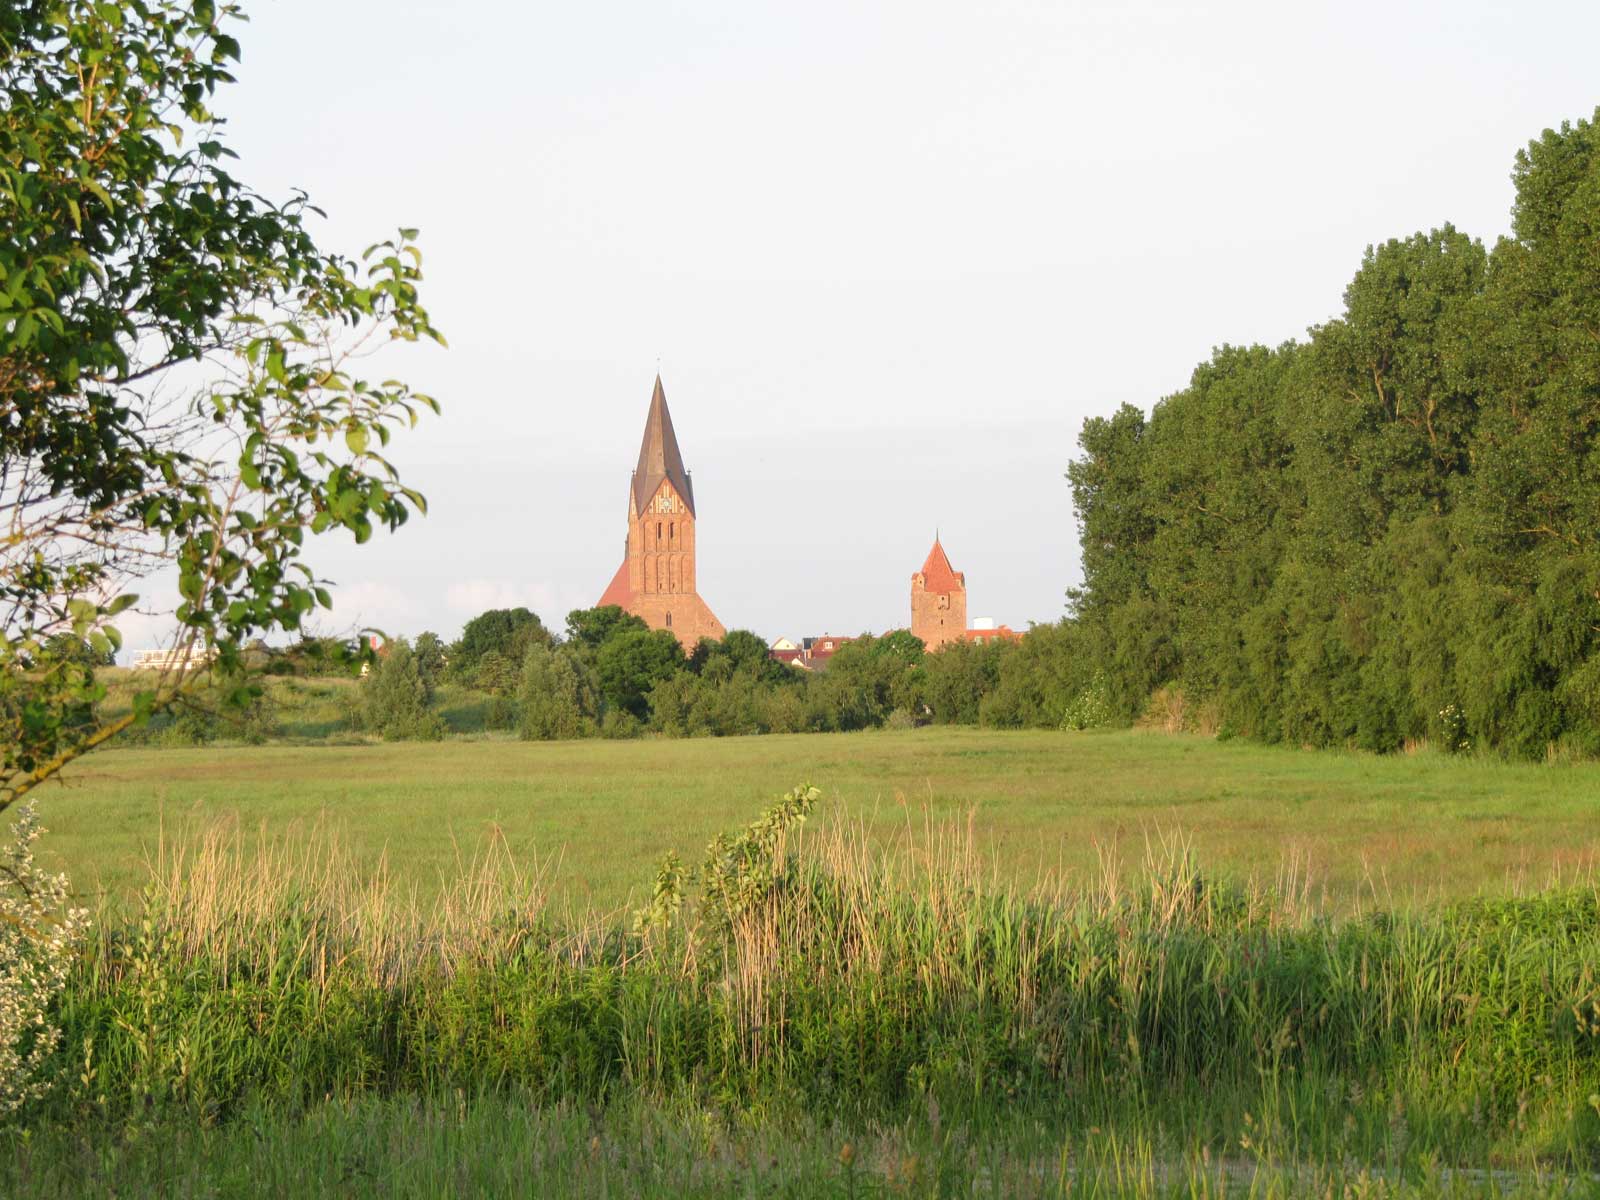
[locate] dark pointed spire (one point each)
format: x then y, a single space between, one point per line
659 457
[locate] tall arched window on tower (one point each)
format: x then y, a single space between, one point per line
672 535
669 620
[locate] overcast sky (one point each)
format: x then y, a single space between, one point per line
887 257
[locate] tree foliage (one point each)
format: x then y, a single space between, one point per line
503 632
398 698
590 628
1390 531
177 386
431 658
631 662
557 698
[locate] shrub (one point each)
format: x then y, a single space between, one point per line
255 724
786 708
430 657
39 936
557 697
398 700
1172 709
619 724
193 723
1453 730
740 872
1090 708
500 714
957 678
1168 710
1037 678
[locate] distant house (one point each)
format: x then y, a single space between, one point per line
785 651
189 658
379 647
812 654
984 630
818 650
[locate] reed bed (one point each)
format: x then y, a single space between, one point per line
821 979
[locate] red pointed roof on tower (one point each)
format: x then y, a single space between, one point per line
937 573
659 457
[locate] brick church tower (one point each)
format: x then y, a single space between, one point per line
656 581
938 601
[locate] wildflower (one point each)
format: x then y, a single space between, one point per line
39 934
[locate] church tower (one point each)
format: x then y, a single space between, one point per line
938 601
656 581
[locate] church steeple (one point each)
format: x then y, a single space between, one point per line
656 581
659 457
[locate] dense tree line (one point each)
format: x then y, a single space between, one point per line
1386 532
610 675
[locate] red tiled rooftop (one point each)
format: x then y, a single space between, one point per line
937 573
617 591
1002 632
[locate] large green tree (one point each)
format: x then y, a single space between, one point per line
631 662
589 628
178 396
1387 532
492 645
1529 520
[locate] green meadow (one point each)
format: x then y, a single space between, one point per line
982 964
594 816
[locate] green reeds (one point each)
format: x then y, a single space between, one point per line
864 984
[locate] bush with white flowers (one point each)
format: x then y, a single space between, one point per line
39 936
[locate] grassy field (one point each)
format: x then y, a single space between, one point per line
871 1016
509 1146
1363 829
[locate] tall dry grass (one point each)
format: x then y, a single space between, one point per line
250 901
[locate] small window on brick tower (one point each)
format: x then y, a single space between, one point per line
669 620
